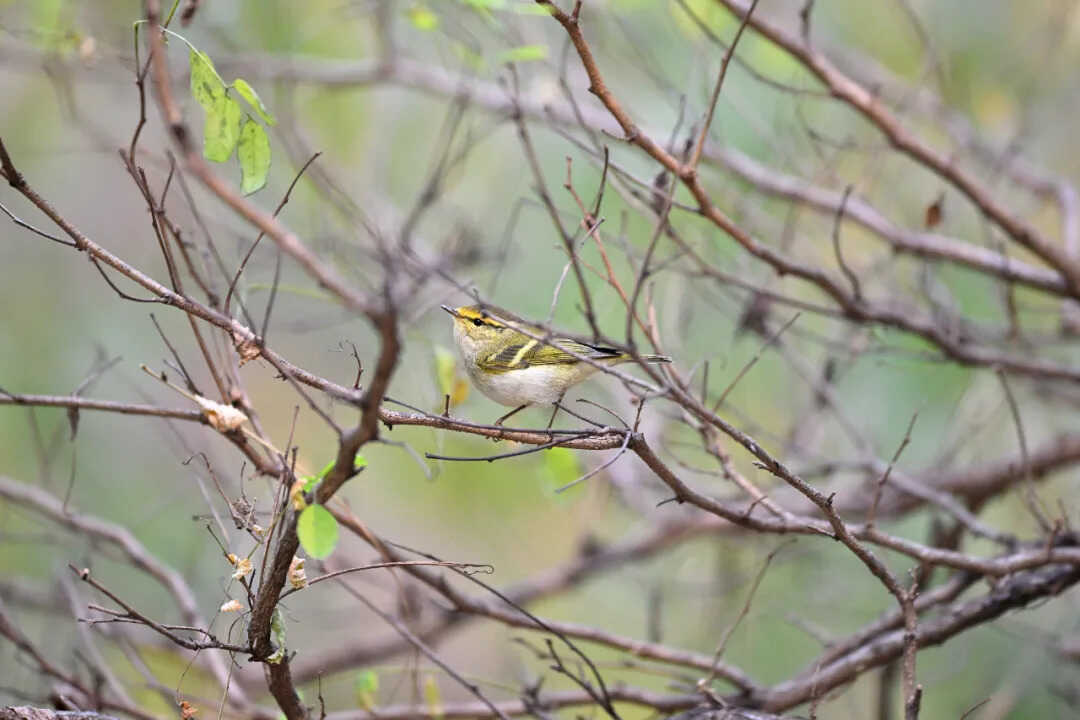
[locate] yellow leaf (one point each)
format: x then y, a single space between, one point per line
449 376
460 392
445 369
433 698
367 687
296 495
422 18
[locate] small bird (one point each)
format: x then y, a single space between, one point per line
516 370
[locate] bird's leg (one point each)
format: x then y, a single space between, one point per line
558 406
500 421
510 414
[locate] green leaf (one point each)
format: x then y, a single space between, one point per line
223 114
484 8
561 467
311 481
254 154
318 531
359 462
222 129
367 684
206 86
524 53
248 93
532 9
470 57
277 632
422 18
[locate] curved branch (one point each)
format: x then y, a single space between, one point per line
1016 592
867 104
81 403
141 558
854 308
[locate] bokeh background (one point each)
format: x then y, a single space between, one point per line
1006 69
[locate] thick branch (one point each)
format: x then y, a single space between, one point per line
1016 592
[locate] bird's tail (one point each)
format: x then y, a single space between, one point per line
647 358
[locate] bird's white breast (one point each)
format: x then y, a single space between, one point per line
538 384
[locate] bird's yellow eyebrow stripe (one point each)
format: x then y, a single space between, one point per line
522 353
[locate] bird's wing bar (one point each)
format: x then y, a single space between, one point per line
533 352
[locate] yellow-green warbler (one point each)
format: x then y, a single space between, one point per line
516 370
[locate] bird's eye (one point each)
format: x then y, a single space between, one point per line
477 322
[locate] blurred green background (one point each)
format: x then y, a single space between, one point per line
69 102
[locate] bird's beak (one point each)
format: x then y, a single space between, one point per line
449 309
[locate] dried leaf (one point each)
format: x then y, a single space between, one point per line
935 212
297 576
73 420
223 418
231 606
187 710
88 49
243 569
246 348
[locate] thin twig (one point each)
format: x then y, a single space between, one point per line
1031 498
773 339
856 289
722 645
880 485
699 146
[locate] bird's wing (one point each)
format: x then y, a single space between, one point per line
533 352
